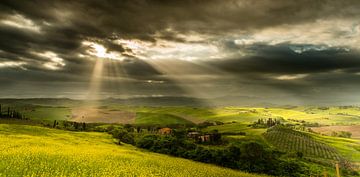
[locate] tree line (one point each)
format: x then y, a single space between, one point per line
250 156
10 113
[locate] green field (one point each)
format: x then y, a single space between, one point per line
147 118
36 151
321 115
48 113
330 116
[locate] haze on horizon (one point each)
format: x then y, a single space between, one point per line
298 52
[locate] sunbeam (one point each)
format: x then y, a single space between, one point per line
96 81
190 75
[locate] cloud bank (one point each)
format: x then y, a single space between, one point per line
295 50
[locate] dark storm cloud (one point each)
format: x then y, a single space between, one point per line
143 18
65 24
283 59
62 26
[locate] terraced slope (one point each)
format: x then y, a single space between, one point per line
293 141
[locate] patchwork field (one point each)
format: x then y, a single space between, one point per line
115 113
327 130
91 115
36 151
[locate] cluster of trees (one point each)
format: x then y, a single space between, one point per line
68 125
247 156
343 134
323 108
10 113
306 124
266 123
346 107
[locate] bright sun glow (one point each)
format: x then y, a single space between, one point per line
163 49
99 51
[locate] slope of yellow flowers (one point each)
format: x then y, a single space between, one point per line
37 151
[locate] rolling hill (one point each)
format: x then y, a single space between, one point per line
36 151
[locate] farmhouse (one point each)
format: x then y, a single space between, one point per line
208 137
165 131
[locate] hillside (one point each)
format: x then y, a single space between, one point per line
294 141
315 148
36 151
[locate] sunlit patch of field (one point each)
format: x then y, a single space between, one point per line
117 113
232 130
192 114
36 151
237 114
92 114
236 128
327 130
315 115
159 119
332 116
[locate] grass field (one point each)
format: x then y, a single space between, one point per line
47 113
36 151
237 128
330 116
159 119
233 129
116 113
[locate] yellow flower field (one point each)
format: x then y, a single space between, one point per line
37 151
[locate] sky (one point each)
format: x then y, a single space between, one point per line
294 52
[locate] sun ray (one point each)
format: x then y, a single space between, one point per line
96 80
183 72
